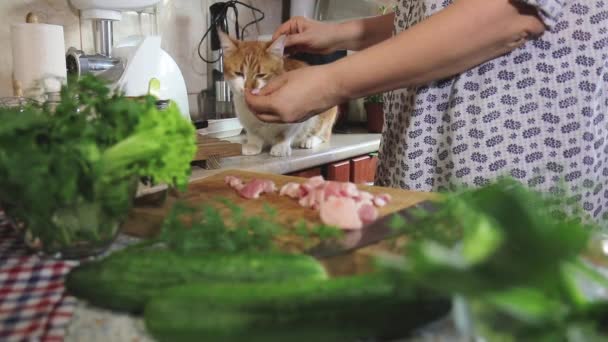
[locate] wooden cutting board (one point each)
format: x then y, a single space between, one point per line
210 189
145 220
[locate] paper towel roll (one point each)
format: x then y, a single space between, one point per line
38 57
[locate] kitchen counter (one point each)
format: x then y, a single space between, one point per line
342 146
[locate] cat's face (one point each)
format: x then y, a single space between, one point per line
251 64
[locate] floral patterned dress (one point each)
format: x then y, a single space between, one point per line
537 114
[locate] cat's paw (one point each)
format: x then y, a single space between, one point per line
280 150
311 142
251 149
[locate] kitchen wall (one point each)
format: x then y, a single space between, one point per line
181 24
337 10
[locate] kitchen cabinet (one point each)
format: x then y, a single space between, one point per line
360 170
339 172
308 173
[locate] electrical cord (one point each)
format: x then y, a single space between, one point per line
232 4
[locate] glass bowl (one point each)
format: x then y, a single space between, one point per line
76 231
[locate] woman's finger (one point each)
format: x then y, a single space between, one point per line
283 29
259 104
287 28
272 86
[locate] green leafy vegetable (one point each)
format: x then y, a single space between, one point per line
516 262
69 171
159 147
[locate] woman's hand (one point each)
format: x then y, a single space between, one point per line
295 96
306 35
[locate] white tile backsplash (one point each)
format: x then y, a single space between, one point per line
181 24
49 11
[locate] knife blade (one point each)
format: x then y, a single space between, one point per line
370 234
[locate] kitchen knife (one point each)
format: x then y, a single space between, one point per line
372 233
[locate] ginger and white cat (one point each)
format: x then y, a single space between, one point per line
251 64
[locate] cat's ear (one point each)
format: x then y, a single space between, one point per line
228 44
277 46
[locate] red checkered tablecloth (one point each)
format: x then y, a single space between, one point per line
33 302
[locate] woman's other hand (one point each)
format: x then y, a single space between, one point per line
295 96
306 35
311 36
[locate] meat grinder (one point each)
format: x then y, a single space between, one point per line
133 62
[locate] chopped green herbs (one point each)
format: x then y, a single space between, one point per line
191 230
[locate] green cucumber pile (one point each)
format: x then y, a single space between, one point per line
126 281
259 297
242 287
341 309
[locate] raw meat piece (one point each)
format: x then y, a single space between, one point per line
387 197
367 213
379 202
269 186
234 182
291 190
311 184
256 187
382 200
252 189
340 204
319 196
340 212
315 181
349 189
307 201
364 197
304 189
331 189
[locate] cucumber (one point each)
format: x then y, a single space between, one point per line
125 281
339 309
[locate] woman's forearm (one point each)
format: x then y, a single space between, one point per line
362 33
466 34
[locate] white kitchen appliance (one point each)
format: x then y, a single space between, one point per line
131 63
